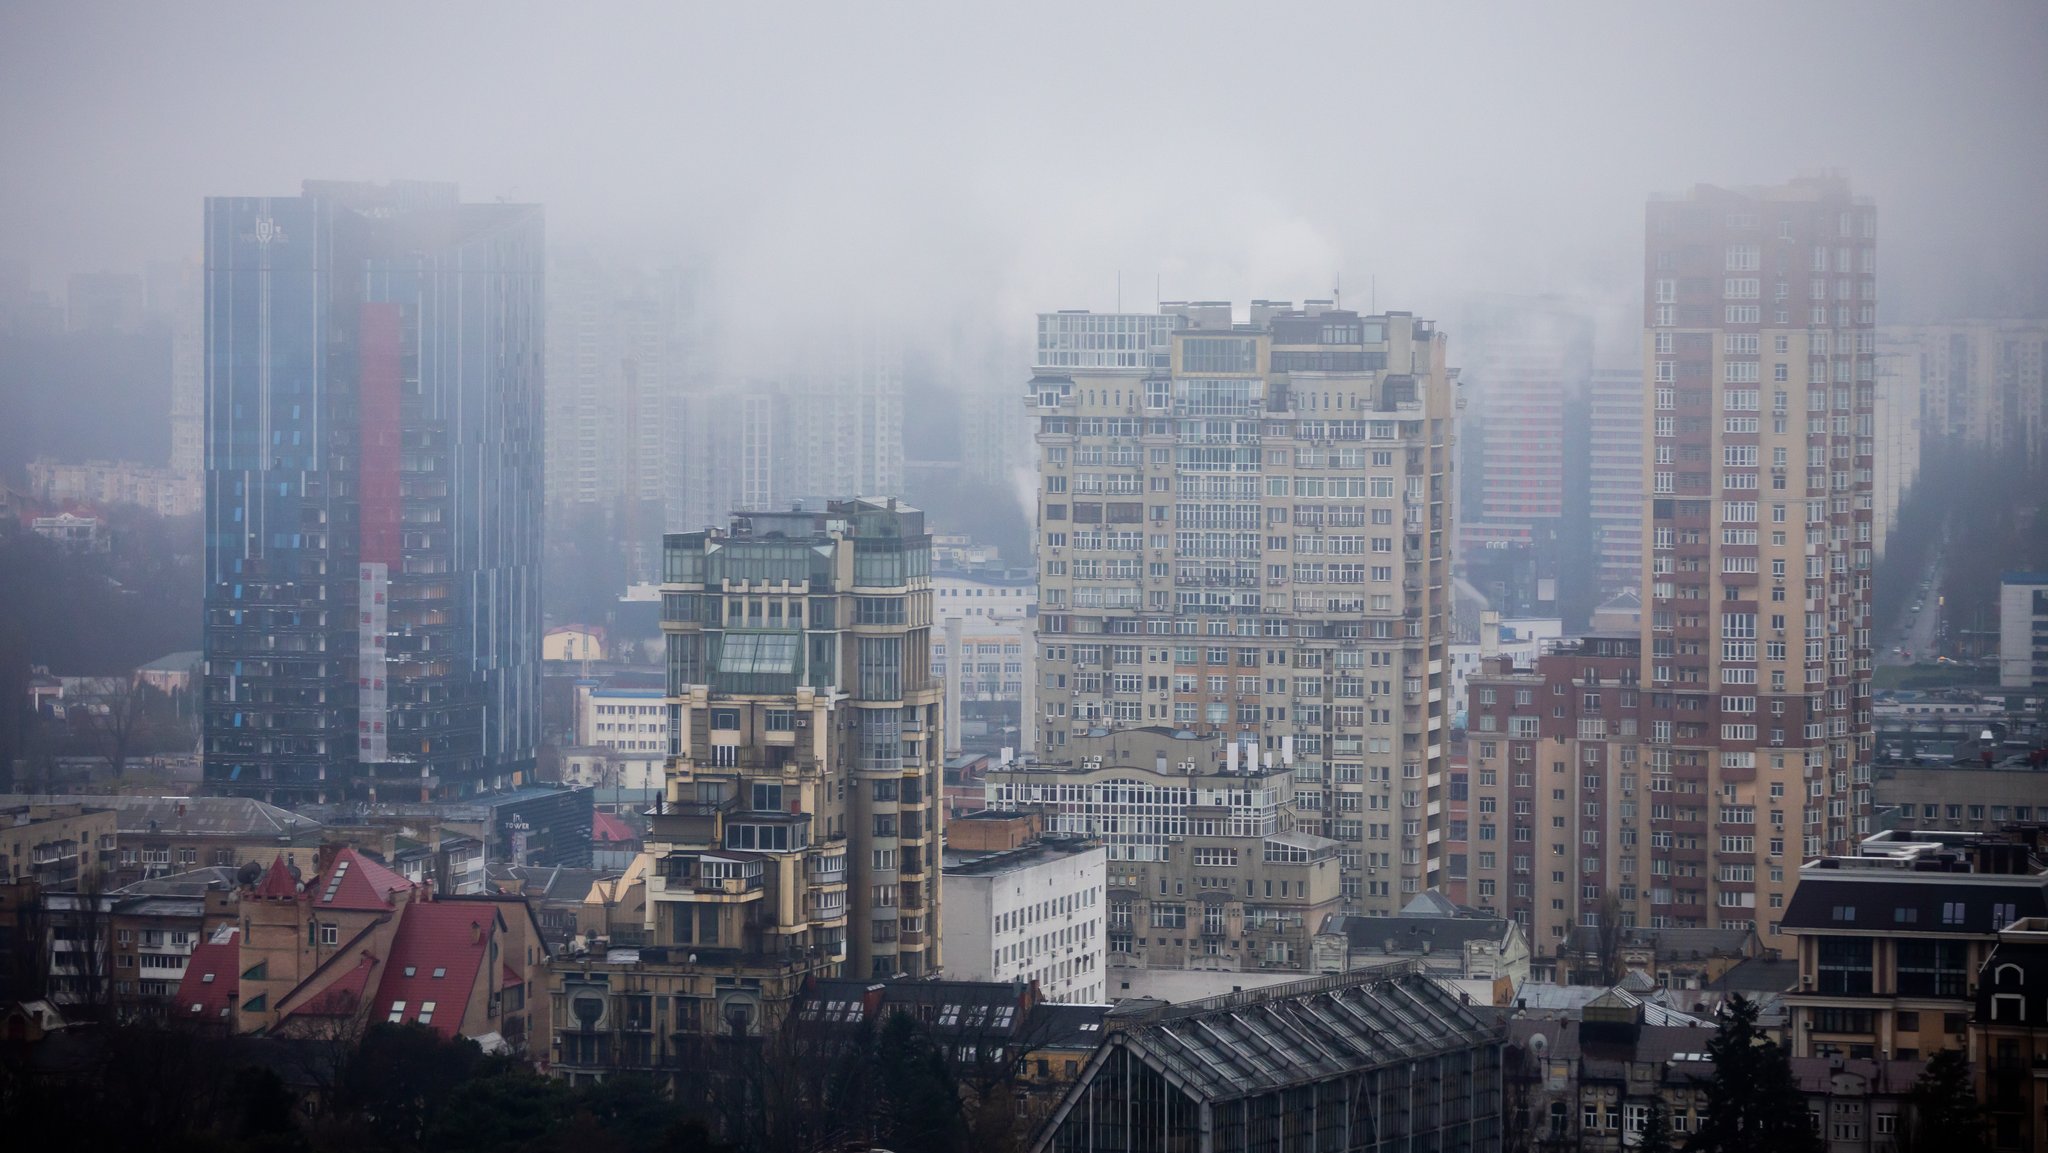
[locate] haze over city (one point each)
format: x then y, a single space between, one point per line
1024 578
946 166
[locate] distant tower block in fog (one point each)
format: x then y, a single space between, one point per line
1615 477
1246 530
1525 539
373 493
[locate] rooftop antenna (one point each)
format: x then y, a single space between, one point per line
1337 289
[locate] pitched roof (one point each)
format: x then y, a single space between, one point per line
1758 975
212 975
1245 1044
191 816
278 883
436 959
344 996
1406 933
608 829
1915 902
355 882
191 883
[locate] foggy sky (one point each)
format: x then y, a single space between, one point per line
954 166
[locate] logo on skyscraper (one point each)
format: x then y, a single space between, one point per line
268 230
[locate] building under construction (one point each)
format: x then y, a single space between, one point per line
1377 1060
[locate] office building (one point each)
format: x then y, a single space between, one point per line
1615 478
1676 778
373 493
2023 630
1211 864
1245 532
801 831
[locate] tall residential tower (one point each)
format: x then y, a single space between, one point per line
1245 530
802 825
373 493
1678 777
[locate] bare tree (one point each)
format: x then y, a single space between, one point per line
1611 969
26 975
86 927
115 713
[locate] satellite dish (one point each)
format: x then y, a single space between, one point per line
1539 1045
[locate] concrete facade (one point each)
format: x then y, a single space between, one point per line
1032 914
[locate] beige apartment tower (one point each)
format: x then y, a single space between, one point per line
1244 532
1678 778
801 829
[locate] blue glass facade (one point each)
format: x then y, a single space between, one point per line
373 493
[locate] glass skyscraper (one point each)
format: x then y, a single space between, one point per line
373 493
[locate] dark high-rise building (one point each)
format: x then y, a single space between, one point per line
373 493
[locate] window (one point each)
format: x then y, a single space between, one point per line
1845 965
1933 968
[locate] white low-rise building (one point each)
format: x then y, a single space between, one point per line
2023 631
1032 913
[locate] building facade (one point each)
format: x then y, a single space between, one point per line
1891 938
1033 913
2009 1035
1896 463
2023 630
806 742
1209 863
373 493
1676 779
1524 531
1615 480
1759 354
1562 827
1982 383
1245 530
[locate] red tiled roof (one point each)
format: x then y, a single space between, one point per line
278 883
606 828
353 881
212 974
344 996
437 957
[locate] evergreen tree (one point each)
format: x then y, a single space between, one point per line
1944 1111
1656 1136
1753 1103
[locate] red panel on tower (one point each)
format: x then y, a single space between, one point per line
380 347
